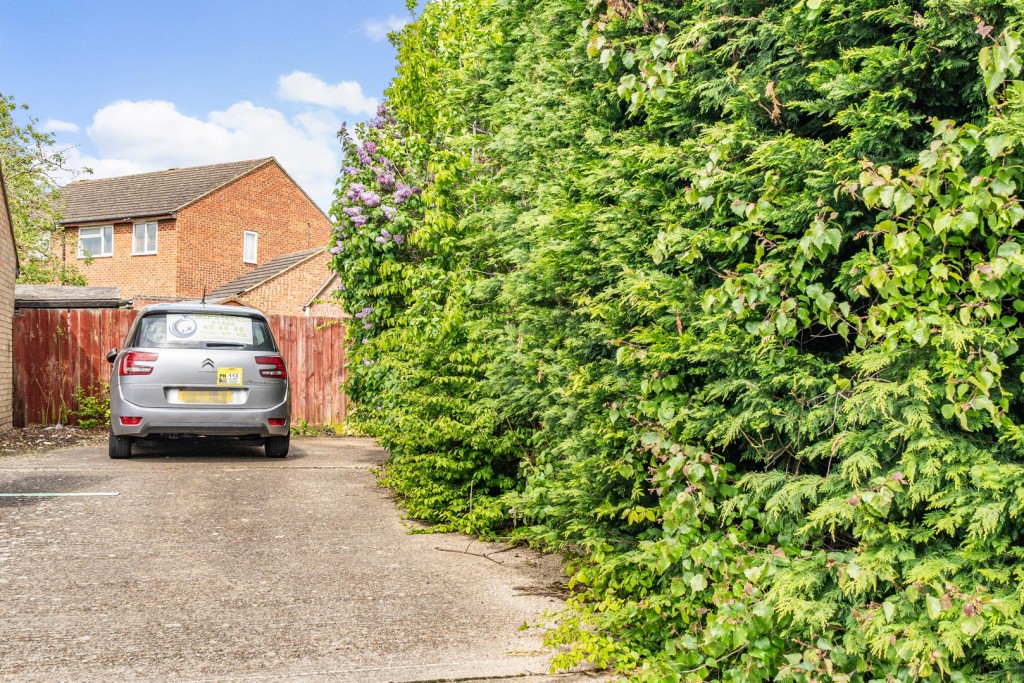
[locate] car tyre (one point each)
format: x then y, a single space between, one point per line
118 447
277 446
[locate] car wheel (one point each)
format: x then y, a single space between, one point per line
276 446
118 446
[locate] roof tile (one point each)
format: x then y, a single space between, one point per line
261 274
147 194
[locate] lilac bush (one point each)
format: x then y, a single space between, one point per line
377 206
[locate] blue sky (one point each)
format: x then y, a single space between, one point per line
144 85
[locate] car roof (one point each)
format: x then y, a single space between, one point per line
199 307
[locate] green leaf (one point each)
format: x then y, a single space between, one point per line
889 610
903 201
972 625
934 606
995 145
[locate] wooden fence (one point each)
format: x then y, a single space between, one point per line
57 351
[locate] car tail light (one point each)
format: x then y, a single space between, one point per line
134 363
276 421
277 371
130 421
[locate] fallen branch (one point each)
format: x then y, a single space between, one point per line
466 552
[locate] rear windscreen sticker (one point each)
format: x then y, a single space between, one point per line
210 328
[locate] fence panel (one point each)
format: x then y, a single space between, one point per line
57 351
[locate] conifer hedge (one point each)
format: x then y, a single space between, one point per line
723 300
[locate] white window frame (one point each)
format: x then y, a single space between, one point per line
106 235
245 246
147 247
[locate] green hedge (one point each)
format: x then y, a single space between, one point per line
720 299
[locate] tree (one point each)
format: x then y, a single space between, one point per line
30 161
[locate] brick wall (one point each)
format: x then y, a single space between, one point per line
287 293
267 202
8 260
325 308
136 276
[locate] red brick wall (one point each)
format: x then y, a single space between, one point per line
325 307
137 276
287 293
267 202
8 260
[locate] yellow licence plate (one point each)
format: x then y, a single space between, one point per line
193 396
229 377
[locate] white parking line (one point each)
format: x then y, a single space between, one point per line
55 495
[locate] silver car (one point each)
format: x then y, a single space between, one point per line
199 370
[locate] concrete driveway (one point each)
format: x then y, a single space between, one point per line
207 561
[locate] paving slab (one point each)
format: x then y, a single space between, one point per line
206 561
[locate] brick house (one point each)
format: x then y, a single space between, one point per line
322 304
8 273
271 287
170 235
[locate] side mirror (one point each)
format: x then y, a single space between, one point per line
111 355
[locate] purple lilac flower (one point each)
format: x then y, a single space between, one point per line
381 239
367 361
403 192
382 110
371 199
367 310
386 181
370 147
366 341
367 325
334 250
389 212
341 288
351 211
376 123
359 220
399 239
349 170
354 190
385 234
364 158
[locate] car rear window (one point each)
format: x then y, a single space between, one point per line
203 331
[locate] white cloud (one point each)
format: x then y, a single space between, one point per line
299 86
135 137
58 126
378 29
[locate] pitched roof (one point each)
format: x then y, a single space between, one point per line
148 194
257 276
62 296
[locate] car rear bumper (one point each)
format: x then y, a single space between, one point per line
198 421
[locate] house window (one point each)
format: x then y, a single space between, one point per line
249 249
96 242
144 238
